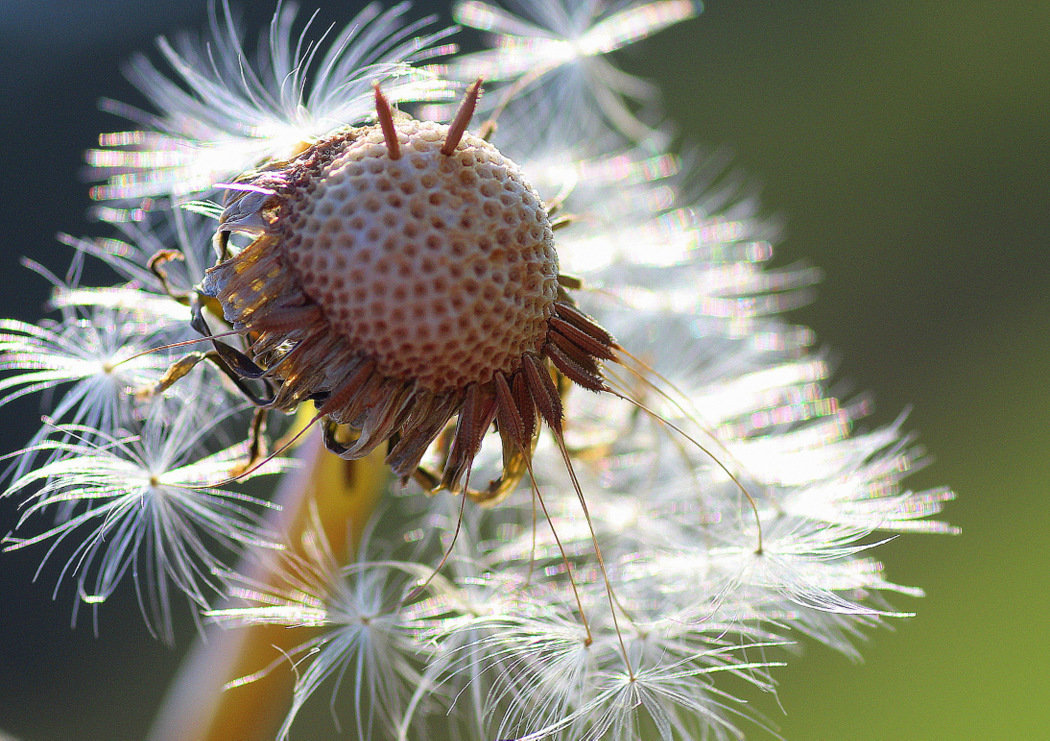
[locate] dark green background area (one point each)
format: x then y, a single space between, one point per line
904 144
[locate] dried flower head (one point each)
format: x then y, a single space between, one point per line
402 275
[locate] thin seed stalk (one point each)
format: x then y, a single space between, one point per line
339 494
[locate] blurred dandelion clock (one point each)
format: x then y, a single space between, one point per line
554 465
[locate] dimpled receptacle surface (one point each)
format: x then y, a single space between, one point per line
443 268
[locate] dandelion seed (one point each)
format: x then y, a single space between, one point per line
141 504
157 291
228 113
367 645
561 45
83 351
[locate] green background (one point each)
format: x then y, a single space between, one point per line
905 147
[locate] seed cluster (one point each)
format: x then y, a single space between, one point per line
442 267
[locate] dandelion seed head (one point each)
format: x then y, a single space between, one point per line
417 287
402 275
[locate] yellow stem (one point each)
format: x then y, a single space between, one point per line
343 494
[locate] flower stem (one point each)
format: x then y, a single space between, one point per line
339 494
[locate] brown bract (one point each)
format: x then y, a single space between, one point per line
403 275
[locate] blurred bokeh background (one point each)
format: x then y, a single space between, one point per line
905 144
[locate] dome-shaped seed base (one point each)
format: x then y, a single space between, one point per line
442 267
